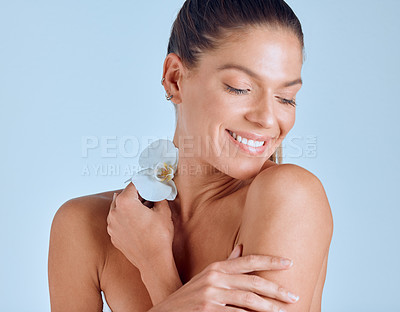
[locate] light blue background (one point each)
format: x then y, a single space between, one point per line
74 69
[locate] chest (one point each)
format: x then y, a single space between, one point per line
210 240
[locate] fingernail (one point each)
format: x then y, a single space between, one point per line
286 262
293 296
115 195
235 252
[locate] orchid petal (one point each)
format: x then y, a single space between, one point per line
159 151
174 191
149 188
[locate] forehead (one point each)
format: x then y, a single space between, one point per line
271 52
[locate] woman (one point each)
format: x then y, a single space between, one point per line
233 70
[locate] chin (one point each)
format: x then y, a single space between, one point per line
241 172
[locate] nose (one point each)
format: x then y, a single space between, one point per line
263 113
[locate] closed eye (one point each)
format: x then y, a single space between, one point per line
236 91
246 91
287 101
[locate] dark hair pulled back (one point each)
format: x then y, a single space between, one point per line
200 24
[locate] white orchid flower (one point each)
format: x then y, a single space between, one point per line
158 163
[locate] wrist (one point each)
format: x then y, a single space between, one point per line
161 277
157 262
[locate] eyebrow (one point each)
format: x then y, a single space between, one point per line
255 75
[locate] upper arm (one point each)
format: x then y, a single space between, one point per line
73 260
287 214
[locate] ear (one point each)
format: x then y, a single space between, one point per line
173 73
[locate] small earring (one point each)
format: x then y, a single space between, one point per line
166 94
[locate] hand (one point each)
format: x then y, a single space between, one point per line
225 286
138 232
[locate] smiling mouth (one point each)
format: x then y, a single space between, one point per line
246 141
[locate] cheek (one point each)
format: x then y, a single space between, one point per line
289 123
214 102
286 123
208 109
213 109
200 115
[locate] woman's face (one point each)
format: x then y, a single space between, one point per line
244 88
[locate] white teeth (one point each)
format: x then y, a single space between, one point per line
248 142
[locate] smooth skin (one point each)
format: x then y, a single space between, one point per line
207 289
268 209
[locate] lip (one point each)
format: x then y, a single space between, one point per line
254 151
251 136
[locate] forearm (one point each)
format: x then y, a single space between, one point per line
161 278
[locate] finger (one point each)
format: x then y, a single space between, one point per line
236 252
255 284
232 309
246 299
112 206
252 263
129 194
162 207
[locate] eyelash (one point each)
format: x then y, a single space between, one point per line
290 102
236 91
241 91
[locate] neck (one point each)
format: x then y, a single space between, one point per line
199 185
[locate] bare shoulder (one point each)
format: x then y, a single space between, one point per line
84 219
286 181
86 206
77 252
85 215
284 170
